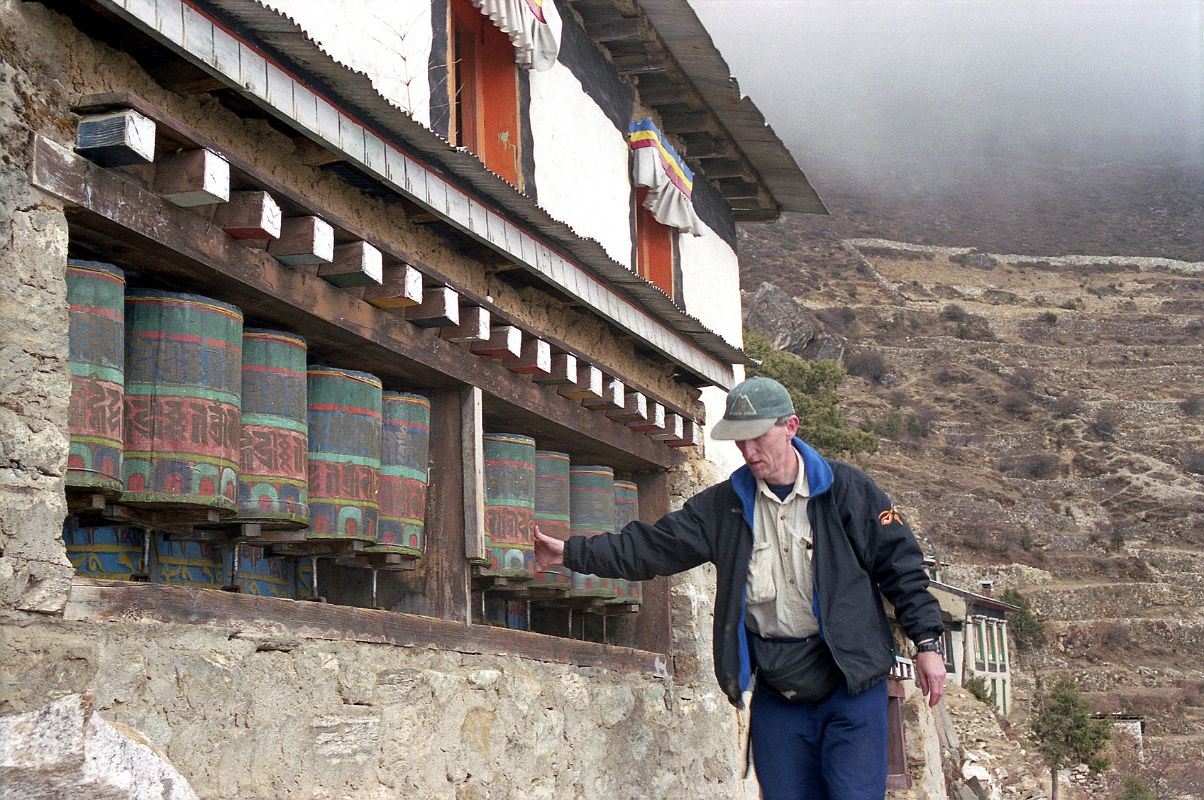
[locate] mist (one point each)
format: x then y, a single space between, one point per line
876 97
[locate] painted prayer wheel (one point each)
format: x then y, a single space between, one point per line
552 511
267 577
183 357
510 505
627 508
344 453
404 452
592 512
503 613
304 579
112 553
188 563
96 343
273 477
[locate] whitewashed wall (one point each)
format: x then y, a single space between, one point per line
710 277
581 162
388 41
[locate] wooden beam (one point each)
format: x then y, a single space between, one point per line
691 435
654 421
474 326
182 77
472 428
249 215
401 288
635 407
691 122
563 371
588 385
116 138
353 264
505 341
654 625
312 154
193 178
640 63
720 167
99 602
440 308
535 358
179 248
303 240
612 396
623 29
673 429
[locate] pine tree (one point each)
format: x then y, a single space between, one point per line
1064 732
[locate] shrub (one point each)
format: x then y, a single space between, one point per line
1068 405
1193 406
1193 462
1025 630
954 313
1036 466
1048 318
1105 423
1135 789
1017 403
868 364
977 685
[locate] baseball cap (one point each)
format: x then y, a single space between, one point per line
752 409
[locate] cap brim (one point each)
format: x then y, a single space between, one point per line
738 430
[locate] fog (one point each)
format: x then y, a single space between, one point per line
870 92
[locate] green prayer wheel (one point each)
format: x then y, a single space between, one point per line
552 511
592 513
510 505
405 450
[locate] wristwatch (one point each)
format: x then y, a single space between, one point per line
929 646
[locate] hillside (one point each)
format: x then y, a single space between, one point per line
1043 420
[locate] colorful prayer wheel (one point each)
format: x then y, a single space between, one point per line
404 452
552 511
183 376
187 563
510 505
267 577
344 453
304 578
627 508
592 512
500 612
273 477
111 553
96 345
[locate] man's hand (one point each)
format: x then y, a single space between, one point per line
549 552
930 675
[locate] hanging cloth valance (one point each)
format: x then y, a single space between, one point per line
533 27
657 166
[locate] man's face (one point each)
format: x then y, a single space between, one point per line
771 456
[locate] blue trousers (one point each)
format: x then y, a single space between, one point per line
833 750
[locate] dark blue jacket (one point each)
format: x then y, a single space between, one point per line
862 547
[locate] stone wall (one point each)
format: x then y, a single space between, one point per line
242 717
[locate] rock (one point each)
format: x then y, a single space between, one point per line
773 313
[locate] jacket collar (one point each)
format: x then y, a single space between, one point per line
819 478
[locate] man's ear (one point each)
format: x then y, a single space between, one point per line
792 424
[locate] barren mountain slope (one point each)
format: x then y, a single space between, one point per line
1046 412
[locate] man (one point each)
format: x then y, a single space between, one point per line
802 547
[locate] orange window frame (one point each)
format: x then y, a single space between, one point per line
483 87
654 247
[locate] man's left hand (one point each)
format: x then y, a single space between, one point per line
930 675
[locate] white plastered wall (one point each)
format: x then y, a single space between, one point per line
710 280
388 41
581 162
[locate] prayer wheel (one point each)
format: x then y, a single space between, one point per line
592 512
404 453
257 574
96 346
304 579
187 563
183 359
627 508
501 612
552 511
344 453
111 553
273 478
510 505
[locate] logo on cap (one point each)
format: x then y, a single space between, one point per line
742 407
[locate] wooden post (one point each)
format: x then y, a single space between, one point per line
249 215
401 288
673 429
505 341
117 138
193 178
440 308
635 408
691 435
655 420
303 240
654 624
612 396
474 326
353 264
473 458
535 359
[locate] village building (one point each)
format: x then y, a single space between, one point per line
325 309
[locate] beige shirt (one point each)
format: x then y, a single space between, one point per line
779 574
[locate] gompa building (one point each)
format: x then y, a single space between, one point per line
312 311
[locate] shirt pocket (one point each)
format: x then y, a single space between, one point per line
761 586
